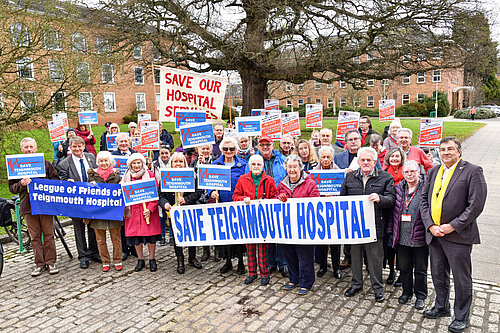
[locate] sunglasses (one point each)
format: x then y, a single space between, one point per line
228 148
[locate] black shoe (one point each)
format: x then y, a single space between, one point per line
284 271
140 265
398 282
419 304
458 326
379 297
403 299
152 265
163 241
206 254
345 264
320 272
226 268
250 279
352 291
84 264
195 263
436 313
124 256
97 259
265 281
180 266
337 274
241 269
391 278
272 269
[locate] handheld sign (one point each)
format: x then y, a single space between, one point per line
197 135
135 144
271 104
121 163
329 181
150 135
63 117
387 109
177 180
56 131
140 191
87 118
314 115
25 166
230 132
184 118
111 141
290 123
214 177
347 120
256 112
271 125
250 126
141 118
185 90
431 132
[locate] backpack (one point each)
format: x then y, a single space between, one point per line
5 212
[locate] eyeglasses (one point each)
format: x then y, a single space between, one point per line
265 144
228 148
407 172
353 139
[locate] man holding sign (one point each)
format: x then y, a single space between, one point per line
44 252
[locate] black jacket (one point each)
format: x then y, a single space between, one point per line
103 144
380 182
190 197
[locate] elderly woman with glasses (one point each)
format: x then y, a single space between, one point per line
228 146
299 258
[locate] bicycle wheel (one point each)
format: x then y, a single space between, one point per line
1 259
59 234
11 230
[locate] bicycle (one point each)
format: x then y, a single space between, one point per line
1 259
9 213
60 233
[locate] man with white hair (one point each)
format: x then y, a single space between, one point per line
326 139
123 143
379 185
416 154
286 145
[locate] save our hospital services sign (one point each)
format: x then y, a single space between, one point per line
386 109
290 123
314 115
56 131
150 135
347 120
185 90
271 125
431 132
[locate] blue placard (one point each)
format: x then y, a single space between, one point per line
329 181
197 135
184 118
111 142
87 117
214 177
140 191
25 166
250 126
121 163
82 200
256 112
177 180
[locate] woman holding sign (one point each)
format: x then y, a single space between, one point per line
142 221
307 153
88 137
299 258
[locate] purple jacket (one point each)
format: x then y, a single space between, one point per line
394 223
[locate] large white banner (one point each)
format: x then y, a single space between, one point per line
327 220
185 90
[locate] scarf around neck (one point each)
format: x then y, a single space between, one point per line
104 173
439 191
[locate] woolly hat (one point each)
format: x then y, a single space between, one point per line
136 156
69 130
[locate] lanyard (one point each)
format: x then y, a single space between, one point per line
390 136
408 202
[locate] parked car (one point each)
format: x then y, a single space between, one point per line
493 107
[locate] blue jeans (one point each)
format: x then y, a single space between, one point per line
276 255
163 225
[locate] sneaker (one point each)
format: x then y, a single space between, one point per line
264 281
37 271
119 267
53 269
105 268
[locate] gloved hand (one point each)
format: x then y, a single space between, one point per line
282 197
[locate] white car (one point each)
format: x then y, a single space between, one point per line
493 107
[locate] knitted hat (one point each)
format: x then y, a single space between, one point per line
69 130
136 156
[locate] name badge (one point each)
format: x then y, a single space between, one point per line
405 218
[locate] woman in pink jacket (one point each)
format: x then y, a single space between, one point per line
87 136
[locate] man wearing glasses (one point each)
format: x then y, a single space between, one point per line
366 130
453 197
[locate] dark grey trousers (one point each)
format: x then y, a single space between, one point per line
375 256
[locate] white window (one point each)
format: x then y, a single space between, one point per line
85 101
356 60
420 98
158 102
438 53
83 72
300 102
107 74
59 101
288 86
343 101
102 45
288 103
405 98
420 77
317 101
370 101
19 35
139 75
406 57
56 71
385 82
140 101
138 52
109 102
52 40
421 56
28 101
300 87
406 79
156 54
343 84
78 42
436 75
317 85
357 84
356 102
329 86
157 76
25 69
369 57
329 102
370 82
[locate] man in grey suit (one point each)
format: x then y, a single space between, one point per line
453 197
74 168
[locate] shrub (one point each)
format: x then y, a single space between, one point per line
131 118
412 110
480 114
225 113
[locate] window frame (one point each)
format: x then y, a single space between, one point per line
135 75
79 71
25 108
75 42
403 99
64 100
342 84
109 93
370 101
288 86
57 38
25 65
421 77
139 56
109 66
300 102
83 108
421 100
53 69
102 45
343 101
406 79
137 100
434 76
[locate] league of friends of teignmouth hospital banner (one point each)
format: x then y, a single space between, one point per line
326 220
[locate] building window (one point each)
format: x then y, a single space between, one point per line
138 52
140 101
300 102
85 101
329 102
436 75
406 79
139 75
78 42
288 86
288 103
156 54
370 101
158 102
317 101
300 87
102 45
107 74
420 98
405 98
19 35
421 56
385 82
357 84
420 77
52 40
356 102
56 71
109 102
59 101
329 86
342 84
406 57
370 82
157 76
25 69
343 101
438 53
356 60
83 72
369 57
28 101
317 85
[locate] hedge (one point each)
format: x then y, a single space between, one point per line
480 114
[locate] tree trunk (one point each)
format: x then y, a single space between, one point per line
254 88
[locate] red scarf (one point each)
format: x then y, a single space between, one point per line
104 173
397 175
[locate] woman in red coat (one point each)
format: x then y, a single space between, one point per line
88 137
256 185
137 229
